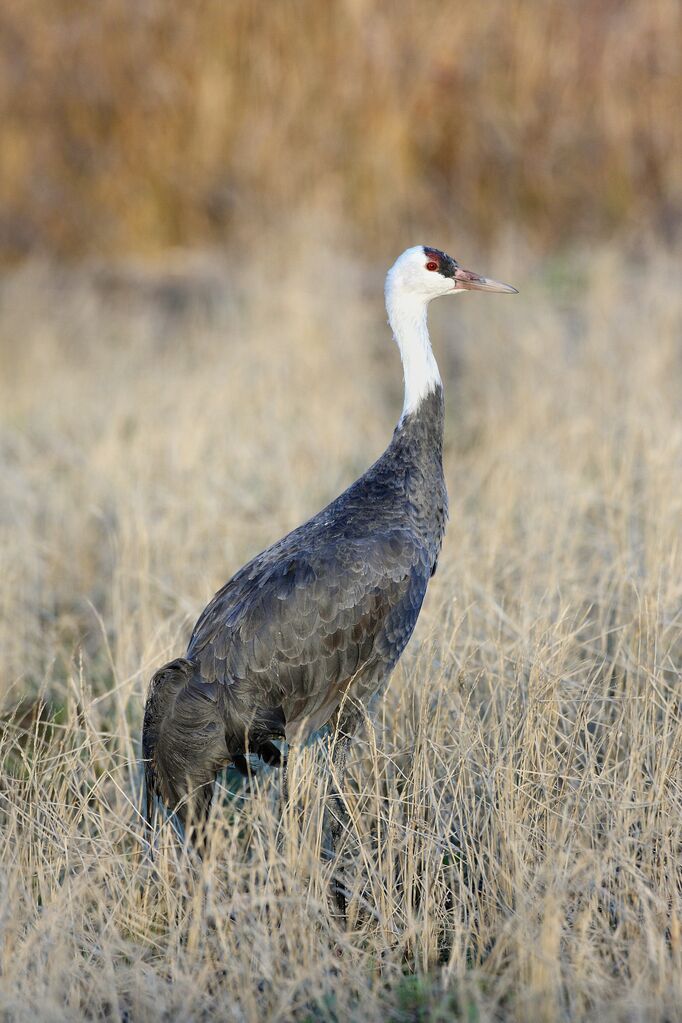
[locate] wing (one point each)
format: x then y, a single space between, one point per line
297 624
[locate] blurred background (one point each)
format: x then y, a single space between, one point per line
131 128
198 204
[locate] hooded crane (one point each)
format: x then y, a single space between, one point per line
310 629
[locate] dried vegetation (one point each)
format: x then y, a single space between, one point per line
515 849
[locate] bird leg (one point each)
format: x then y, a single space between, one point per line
193 813
271 754
338 817
284 785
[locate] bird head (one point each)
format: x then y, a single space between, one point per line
428 273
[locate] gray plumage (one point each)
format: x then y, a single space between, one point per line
310 629
318 619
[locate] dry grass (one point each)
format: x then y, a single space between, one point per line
515 849
133 126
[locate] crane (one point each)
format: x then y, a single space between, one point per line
309 630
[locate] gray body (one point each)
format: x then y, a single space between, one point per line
310 629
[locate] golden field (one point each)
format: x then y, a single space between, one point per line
129 126
516 804
199 203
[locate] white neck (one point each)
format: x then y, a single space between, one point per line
407 319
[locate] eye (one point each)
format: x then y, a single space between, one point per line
431 265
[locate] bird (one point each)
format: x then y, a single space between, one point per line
308 631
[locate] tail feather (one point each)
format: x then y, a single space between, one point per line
183 744
190 732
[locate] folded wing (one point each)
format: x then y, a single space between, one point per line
294 627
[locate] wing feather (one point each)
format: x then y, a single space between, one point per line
298 624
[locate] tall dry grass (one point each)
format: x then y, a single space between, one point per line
128 126
516 805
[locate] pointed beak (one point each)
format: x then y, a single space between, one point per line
467 280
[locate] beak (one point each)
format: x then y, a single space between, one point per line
467 280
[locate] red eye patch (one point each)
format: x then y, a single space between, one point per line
432 265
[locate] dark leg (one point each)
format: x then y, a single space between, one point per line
285 781
193 814
149 817
271 754
266 750
337 815
149 806
240 763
